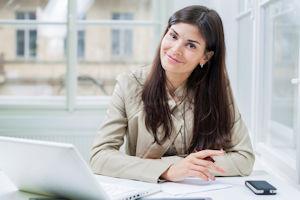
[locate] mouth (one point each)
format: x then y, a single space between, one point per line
172 59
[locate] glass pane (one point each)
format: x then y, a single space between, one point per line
242 4
32 62
103 9
282 43
249 4
20 15
20 40
81 44
42 10
31 15
115 42
32 43
128 37
244 68
99 68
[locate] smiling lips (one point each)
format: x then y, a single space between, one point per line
172 59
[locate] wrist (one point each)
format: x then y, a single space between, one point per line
166 174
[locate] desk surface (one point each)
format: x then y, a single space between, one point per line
238 189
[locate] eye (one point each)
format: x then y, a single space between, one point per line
191 46
173 35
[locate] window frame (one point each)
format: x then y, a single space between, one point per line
285 165
71 102
122 53
26 37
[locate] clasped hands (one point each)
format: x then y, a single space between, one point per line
194 165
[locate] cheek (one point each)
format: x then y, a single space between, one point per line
196 56
193 58
162 49
165 44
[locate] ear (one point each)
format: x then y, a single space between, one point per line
208 55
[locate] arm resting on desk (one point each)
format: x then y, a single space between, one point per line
106 159
238 160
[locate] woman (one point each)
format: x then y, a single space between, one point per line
178 116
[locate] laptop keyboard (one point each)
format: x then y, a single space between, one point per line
122 192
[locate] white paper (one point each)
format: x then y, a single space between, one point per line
192 185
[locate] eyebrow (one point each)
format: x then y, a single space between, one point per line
193 41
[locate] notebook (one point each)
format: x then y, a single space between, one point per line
58 170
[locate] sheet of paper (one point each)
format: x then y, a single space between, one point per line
192 185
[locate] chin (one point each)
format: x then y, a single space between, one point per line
171 68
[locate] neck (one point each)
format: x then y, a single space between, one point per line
175 80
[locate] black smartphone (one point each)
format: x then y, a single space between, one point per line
261 187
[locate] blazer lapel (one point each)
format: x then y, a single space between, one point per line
156 151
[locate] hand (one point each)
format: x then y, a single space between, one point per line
194 165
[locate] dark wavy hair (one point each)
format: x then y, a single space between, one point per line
209 86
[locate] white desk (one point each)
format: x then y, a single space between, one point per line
237 191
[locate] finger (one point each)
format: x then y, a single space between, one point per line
201 175
218 169
203 170
207 164
206 153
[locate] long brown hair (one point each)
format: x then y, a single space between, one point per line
212 96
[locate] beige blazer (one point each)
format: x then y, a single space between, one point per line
144 159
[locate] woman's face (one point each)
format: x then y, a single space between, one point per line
182 49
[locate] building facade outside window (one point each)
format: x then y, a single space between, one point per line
26 38
121 38
35 53
80 44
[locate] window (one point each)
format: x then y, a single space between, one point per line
26 39
20 43
281 61
274 68
40 95
80 44
114 32
244 68
268 81
121 42
37 60
245 5
33 59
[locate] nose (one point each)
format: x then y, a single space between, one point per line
177 48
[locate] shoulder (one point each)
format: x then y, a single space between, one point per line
134 78
130 86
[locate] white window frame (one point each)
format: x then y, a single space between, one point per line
122 52
71 101
286 166
26 30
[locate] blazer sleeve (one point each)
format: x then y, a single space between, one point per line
106 159
239 160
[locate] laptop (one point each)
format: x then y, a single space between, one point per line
58 170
